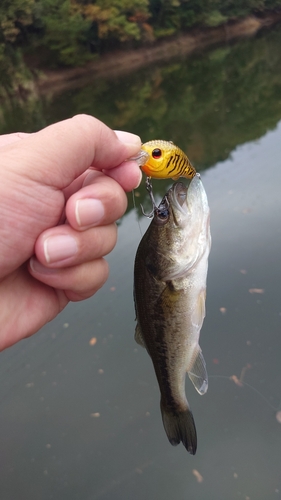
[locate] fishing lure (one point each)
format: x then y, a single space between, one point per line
166 160
160 159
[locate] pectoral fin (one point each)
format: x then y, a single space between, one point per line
138 336
198 373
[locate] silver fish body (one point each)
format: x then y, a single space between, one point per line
169 290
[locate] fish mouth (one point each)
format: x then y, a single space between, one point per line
179 196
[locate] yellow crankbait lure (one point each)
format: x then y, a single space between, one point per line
165 160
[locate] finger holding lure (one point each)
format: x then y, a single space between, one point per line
164 160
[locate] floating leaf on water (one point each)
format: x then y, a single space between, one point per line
239 381
278 416
198 476
93 341
236 380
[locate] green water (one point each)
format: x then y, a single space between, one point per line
223 107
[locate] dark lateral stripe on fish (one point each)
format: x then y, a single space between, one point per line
170 402
163 366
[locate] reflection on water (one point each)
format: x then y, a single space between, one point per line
81 420
207 104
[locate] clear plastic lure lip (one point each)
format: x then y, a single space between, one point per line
141 158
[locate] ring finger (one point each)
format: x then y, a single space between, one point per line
62 246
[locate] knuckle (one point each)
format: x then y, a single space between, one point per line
104 240
91 278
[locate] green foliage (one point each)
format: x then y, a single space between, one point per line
69 32
183 14
14 17
119 19
215 18
63 31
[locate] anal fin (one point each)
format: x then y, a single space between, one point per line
198 373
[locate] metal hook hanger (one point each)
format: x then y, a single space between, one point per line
148 186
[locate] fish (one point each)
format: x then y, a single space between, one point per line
165 161
170 274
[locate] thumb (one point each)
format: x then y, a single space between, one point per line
58 154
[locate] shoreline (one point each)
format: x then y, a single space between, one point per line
121 62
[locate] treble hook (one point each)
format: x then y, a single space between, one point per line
148 186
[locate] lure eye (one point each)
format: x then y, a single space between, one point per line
156 153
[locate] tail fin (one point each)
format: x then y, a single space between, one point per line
180 426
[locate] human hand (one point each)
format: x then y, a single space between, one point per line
57 217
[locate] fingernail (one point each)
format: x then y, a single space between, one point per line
59 247
139 181
88 212
37 267
132 141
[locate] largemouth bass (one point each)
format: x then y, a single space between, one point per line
166 160
169 291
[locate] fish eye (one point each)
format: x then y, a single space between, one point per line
162 215
156 153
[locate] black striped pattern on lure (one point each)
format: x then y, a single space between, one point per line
166 160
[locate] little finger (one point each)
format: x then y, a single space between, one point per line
78 282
